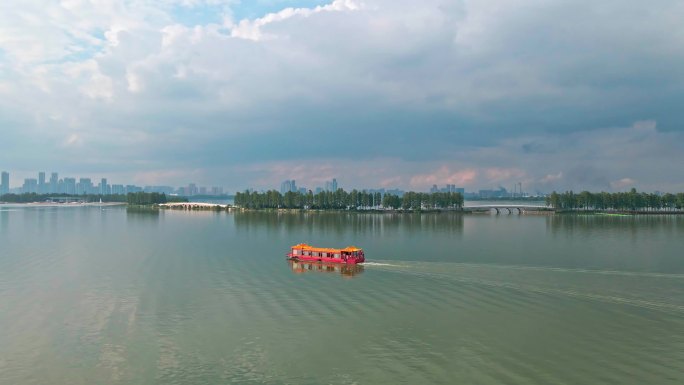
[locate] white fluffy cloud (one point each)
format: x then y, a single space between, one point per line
476 92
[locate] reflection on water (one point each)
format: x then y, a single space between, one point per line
4 219
344 222
142 214
593 222
344 270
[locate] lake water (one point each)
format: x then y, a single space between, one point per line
117 296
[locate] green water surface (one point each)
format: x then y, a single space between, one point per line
116 296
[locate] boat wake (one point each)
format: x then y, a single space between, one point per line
472 274
382 264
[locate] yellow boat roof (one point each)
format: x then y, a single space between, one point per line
304 246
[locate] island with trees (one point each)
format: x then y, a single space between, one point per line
353 200
627 202
137 198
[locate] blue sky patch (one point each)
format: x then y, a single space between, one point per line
214 14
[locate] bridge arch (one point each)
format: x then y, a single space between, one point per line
498 209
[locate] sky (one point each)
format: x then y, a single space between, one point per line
555 95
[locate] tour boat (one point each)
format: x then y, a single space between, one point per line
349 255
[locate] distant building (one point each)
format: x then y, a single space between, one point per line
450 188
42 187
69 186
288 186
30 186
118 189
85 186
54 183
168 190
133 189
104 188
4 183
490 194
191 189
331 185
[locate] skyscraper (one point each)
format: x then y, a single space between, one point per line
69 186
84 186
4 183
288 186
118 189
30 186
54 183
192 189
331 185
42 188
104 188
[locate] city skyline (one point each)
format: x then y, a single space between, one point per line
371 92
87 186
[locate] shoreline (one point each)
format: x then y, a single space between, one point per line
202 206
621 213
53 204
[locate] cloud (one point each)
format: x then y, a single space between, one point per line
475 93
444 175
551 178
73 140
252 29
623 183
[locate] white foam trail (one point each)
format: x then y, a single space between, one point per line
421 264
571 270
637 302
419 269
379 264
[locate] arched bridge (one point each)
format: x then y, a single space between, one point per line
508 207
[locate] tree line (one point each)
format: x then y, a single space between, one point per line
143 198
33 197
342 200
628 201
137 198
